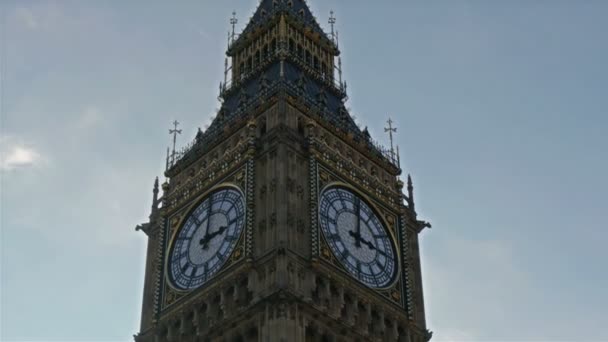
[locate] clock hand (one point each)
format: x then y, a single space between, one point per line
357 237
205 240
358 233
368 243
208 218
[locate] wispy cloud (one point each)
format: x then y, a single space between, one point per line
485 281
90 117
26 17
14 155
38 16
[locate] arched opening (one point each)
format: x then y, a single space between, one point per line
262 127
300 126
292 46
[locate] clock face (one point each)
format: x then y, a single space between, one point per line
207 239
357 237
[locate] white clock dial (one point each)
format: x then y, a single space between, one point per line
207 239
357 237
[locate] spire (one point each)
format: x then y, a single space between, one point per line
175 132
297 9
155 195
391 129
233 22
332 22
410 193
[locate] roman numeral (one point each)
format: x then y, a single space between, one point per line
382 252
333 237
231 238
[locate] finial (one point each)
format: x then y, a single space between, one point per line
340 72
233 22
175 132
398 157
410 192
390 129
337 39
155 196
167 162
332 21
225 72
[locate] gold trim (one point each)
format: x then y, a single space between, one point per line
196 201
382 219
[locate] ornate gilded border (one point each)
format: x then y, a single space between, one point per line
324 179
238 180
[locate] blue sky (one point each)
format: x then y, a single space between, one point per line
502 115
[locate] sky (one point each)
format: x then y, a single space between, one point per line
502 114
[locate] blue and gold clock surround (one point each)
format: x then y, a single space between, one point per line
357 236
207 237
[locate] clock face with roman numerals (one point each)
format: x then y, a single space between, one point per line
357 238
207 238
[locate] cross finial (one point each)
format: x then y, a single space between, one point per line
390 129
175 132
233 22
332 21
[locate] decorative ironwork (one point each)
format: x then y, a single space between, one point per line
332 22
175 132
321 114
390 129
233 22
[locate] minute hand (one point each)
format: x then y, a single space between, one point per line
358 232
368 243
205 241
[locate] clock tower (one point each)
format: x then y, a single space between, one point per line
283 221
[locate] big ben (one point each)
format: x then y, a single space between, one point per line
283 221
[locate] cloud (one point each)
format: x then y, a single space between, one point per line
38 16
17 156
90 117
26 17
470 285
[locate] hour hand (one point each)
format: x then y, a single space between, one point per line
369 244
208 237
357 237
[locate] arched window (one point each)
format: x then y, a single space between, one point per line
274 45
262 127
301 126
292 46
256 61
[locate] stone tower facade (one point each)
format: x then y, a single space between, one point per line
283 221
